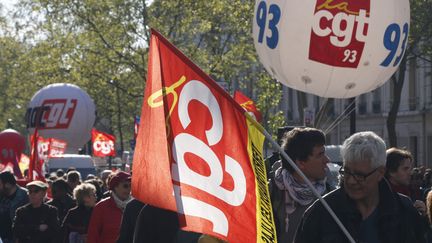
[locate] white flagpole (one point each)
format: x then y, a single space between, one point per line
308 182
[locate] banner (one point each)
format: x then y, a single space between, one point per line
199 154
103 144
248 105
56 147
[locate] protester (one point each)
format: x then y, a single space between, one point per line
106 217
60 173
12 196
365 204
155 225
97 183
104 177
73 179
289 193
128 222
60 198
36 222
77 220
399 164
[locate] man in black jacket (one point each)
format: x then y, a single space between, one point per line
365 204
36 222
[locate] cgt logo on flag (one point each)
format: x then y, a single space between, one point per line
339 27
210 154
103 144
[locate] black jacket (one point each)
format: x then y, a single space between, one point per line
129 219
27 220
398 220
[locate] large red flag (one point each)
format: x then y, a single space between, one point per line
198 154
103 144
248 105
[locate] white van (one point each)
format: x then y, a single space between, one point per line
83 163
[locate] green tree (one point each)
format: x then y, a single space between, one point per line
102 47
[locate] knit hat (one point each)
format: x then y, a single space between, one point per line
117 178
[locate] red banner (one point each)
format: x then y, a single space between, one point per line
56 147
103 144
248 105
198 154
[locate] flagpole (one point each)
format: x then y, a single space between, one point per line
299 172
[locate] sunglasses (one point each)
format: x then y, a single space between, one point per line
126 186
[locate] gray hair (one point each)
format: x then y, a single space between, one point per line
83 190
364 146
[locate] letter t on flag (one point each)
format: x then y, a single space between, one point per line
198 153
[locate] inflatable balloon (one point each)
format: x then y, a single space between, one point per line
12 144
331 48
62 111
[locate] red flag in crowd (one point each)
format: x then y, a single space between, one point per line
248 105
103 144
198 153
36 157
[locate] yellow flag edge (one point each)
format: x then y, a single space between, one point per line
266 230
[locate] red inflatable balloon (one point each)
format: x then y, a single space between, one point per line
12 144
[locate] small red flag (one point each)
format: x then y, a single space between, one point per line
248 105
103 144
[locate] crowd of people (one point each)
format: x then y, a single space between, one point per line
380 198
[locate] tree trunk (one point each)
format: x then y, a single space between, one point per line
398 81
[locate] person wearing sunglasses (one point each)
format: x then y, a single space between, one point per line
106 217
36 222
365 203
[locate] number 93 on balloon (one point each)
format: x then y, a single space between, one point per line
331 48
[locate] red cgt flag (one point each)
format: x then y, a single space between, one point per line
198 153
103 144
248 105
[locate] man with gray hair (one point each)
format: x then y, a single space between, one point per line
365 204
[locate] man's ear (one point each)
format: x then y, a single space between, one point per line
300 164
